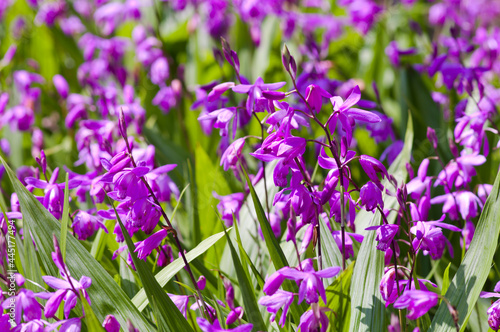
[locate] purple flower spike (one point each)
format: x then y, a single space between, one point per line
110 324
418 302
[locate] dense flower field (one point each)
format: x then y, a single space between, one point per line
246 165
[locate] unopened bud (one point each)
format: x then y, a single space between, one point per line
431 136
285 58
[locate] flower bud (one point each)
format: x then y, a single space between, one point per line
110 324
431 136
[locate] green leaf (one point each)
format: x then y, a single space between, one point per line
140 300
168 316
338 300
91 320
446 280
277 256
247 259
247 290
471 275
367 309
65 219
209 178
106 296
329 250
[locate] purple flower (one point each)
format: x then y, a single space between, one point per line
85 225
463 202
232 154
68 325
343 112
72 25
311 320
255 91
223 119
181 302
372 166
314 95
310 280
393 53
218 90
144 248
348 244
371 196
280 299
68 288
159 71
494 310
205 326
229 205
429 237
26 305
385 235
53 192
110 324
418 302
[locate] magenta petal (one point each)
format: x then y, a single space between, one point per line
56 283
54 302
242 88
353 98
329 272
36 183
487 295
362 115
140 171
